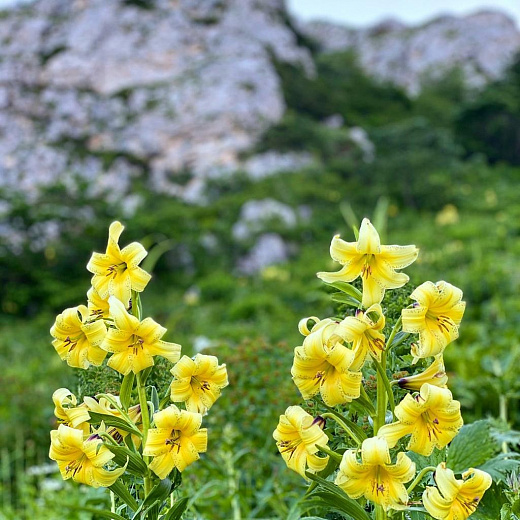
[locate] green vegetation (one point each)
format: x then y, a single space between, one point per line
448 163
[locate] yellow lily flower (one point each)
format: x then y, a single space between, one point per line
363 333
323 365
117 271
296 436
454 499
77 339
198 382
432 417
176 442
376 264
68 413
134 342
434 375
375 477
97 306
435 317
82 460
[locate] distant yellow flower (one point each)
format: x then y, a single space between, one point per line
176 441
82 460
117 271
454 499
432 417
376 264
67 411
134 342
296 436
198 382
97 306
435 317
323 365
364 334
77 337
375 477
434 375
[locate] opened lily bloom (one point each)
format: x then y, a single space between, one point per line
198 382
81 460
296 436
77 338
134 342
68 413
117 271
363 331
97 306
455 499
176 441
432 417
376 264
323 365
435 316
434 375
375 477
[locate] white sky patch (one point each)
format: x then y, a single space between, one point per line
368 12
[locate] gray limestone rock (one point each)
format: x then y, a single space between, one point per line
186 85
256 214
481 45
270 249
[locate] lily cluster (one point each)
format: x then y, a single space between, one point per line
104 437
339 355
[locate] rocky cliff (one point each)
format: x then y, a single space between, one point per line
108 91
481 45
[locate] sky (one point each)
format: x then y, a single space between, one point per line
367 12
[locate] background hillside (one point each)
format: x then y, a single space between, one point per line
241 140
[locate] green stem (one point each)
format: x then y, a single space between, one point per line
502 403
380 513
363 393
395 330
145 418
379 420
381 372
419 477
330 453
343 425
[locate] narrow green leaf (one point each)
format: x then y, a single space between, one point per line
110 420
358 431
338 498
156 252
122 492
136 464
126 390
398 339
332 502
348 289
157 494
145 373
154 397
175 513
363 405
345 298
98 512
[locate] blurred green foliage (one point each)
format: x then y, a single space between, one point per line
448 162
